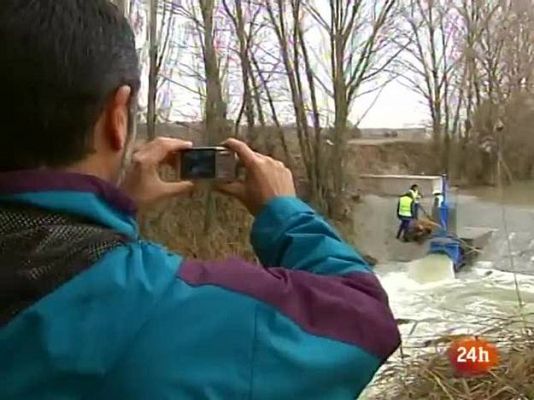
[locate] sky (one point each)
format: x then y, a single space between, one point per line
396 107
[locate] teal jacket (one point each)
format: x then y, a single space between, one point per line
141 322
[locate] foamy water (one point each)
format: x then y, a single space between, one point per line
430 269
454 305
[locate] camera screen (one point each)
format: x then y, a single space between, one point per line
198 164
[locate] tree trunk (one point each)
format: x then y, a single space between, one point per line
340 108
153 73
124 6
245 65
215 123
215 109
338 154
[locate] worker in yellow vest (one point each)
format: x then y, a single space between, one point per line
416 194
406 212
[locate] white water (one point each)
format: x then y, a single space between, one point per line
433 308
431 268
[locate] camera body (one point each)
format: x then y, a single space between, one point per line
208 163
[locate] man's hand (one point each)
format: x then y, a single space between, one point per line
142 181
265 180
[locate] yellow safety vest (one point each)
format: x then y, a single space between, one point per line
416 195
405 206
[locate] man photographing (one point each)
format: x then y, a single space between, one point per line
90 310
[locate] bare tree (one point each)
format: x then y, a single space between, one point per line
431 58
358 36
265 74
244 37
215 112
479 70
161 14
497 63
515 93
286 21
123 5
207 71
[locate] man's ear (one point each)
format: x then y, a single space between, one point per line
116 128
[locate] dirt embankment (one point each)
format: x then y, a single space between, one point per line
392 157
371 156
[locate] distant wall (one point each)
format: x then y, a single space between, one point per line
395 185
401 133
192 128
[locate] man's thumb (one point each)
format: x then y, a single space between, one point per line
177 188
235 189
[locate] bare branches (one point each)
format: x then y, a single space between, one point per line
360 52
432 57
306 61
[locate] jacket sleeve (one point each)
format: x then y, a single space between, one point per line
290 234
312 323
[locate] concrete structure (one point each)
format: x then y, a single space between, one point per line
396 185
476 237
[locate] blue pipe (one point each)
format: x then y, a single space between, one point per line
442 242
444 208
449 245
444 187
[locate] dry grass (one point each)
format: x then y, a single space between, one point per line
427 375
180 226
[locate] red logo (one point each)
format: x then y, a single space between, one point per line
473 356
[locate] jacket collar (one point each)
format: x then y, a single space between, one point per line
71 193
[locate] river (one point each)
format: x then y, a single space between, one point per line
498 286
